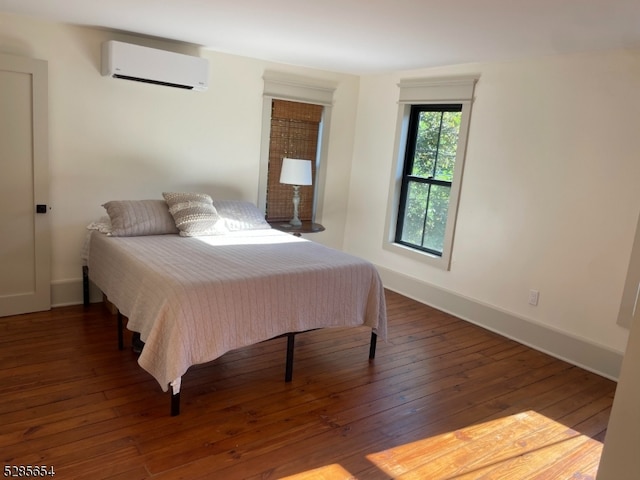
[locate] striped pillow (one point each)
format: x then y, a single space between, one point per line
131 218
194 214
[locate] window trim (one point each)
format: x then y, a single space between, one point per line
283 86
428 91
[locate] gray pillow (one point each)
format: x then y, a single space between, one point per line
240 215
194 214
130 218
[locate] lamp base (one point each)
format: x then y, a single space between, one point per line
295 221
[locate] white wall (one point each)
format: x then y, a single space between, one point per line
550 194
114 139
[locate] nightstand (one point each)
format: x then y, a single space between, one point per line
306 227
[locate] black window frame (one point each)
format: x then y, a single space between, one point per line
408 178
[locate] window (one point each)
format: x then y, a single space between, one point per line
431 138
296 120
429 162
295 130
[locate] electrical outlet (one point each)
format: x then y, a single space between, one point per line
533 297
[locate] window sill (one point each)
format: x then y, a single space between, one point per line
418 255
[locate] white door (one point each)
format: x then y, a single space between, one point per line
25 271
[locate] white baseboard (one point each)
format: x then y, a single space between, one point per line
579 352
69 292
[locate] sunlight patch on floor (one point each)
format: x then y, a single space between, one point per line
512 447
329 472
516 447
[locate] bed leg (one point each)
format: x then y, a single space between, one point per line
85 285
175 404
288 375
372 346
120 332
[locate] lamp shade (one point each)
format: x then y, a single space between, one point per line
295 171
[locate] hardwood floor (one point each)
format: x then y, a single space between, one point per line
442 400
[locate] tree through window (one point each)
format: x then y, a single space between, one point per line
429 164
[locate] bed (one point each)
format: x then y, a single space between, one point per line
195 290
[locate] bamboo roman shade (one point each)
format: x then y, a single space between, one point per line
294 133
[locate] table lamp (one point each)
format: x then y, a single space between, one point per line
295 172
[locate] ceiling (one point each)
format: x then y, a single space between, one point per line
363 36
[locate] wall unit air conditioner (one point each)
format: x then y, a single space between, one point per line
150 65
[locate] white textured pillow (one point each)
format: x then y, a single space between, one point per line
130 218
194 214
240 215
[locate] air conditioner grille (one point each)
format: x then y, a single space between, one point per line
155 82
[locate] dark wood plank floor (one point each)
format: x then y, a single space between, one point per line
442 399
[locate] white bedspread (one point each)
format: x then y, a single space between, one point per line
193 299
